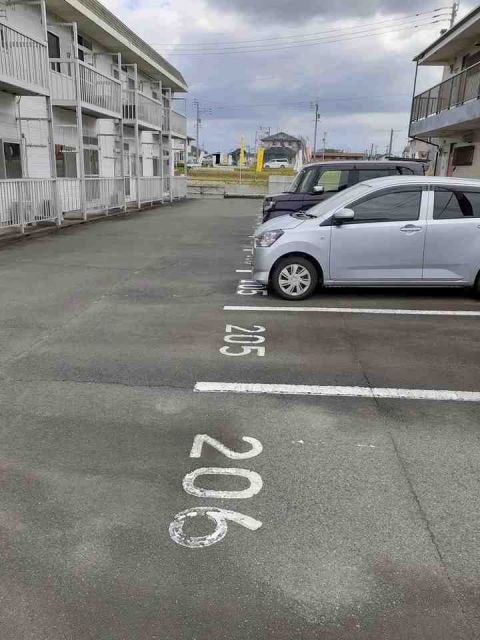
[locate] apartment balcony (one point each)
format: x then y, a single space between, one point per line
178 124
100 94
142 110
448 107
23 64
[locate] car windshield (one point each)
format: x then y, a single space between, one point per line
343 197
299 182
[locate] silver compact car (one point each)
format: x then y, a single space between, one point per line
395 231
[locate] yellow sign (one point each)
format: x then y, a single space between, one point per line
242 151
260 154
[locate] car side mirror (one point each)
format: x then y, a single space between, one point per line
318 189
343 215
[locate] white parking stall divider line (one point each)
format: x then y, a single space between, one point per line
337 391
399 312
244 271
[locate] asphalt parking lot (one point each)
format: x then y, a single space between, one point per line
124 399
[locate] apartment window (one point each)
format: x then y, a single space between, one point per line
84 47
11 160
90 162
155 95
54 50
463 156
156 166
66 161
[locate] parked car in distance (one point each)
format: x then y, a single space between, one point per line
319 181
279 163
396 231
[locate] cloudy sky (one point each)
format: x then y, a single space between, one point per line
253 63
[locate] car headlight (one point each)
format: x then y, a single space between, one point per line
267 238
268 205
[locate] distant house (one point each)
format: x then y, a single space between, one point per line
281 145
332 155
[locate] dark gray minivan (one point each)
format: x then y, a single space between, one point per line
319 181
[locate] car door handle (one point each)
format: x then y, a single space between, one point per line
411 228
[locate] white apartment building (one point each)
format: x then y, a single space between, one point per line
87 117
448 114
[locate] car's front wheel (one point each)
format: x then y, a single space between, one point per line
294 278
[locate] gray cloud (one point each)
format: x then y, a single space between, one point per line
288 12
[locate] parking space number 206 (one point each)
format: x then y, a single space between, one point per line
241 341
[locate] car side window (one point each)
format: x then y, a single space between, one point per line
369 174
333 179
399 204
452 204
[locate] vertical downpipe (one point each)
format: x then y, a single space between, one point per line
137 138
170 150
81 160
57 209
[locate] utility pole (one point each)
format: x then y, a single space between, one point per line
324 144
317 118
390 144
455 8
197 105
371 152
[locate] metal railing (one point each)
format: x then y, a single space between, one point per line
69 198
179 187
22 58
150 189
101 194
138 106
26 201
96 89
178 123
450 93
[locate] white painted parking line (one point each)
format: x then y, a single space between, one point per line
244 271
398 312
352 392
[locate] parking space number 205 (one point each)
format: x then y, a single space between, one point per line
242 342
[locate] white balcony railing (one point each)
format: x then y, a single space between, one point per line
138 106
26 201
178 123
150 189
97 90
101 194
23 61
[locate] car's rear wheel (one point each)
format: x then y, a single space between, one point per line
294 278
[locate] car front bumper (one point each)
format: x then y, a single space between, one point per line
262 264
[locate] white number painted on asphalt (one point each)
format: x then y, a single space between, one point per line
254 479
203 438
251 288
233 327
245 341
218 516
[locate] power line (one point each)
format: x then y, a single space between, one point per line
305 104
298 37
308 44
